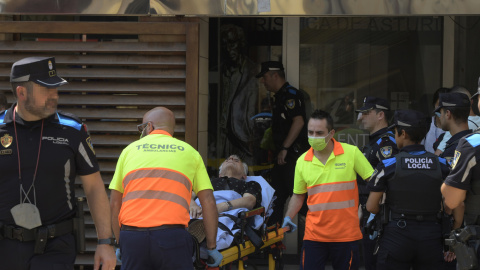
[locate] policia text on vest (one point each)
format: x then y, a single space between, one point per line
419 163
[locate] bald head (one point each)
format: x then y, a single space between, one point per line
161 118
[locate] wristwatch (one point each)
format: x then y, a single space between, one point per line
230 206
283 148
107 241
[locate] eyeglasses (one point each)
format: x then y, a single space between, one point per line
438 114
141 127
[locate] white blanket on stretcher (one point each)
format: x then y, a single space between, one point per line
224 239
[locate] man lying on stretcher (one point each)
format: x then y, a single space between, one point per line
233 173
237 192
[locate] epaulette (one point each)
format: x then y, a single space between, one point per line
68 119
386 135
473 139
292 90
2 117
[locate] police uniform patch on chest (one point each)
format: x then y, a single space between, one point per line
6 140
455 159
386 151
291 103
418 163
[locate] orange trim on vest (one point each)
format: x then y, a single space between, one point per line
159 131
155 197
337 150
331 204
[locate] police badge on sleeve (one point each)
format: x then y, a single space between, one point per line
291 103
456 157
386 151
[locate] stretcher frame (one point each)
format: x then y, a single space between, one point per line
271 237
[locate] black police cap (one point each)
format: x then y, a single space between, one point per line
408 118
459 100
270 66
374 103
40 70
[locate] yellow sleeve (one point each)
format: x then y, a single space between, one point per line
201 181
299 184
362 166
117 180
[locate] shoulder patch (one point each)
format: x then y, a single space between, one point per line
291 103
389 161
89 143
292 90
386 151
2 116
69 120
474 139
456 157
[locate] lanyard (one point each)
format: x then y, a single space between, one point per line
20 166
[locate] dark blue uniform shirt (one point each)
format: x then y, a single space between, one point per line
289 102
465 166
452 144
66 151
381 145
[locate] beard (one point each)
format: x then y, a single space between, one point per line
45 111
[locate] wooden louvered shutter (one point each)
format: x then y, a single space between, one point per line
112 82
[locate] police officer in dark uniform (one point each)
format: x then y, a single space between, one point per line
411 180
463 183
42 151
289 131
453 111
381 145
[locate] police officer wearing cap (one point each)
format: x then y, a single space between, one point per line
289 131
463 183
381 146
452 112
42 151
412 235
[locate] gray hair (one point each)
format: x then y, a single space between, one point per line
245 166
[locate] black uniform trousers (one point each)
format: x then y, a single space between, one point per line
59 254
418 246
282 182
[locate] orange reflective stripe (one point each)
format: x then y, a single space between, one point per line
331 205
154 194
331 187
157 173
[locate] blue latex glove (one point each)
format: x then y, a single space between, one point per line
287 221
371 217
375 233
214 258
118 254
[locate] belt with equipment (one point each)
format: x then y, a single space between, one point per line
430 217
25 235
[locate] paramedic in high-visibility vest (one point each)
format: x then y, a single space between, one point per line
150 198
327 171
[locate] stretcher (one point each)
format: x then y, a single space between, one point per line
267 240
271 245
